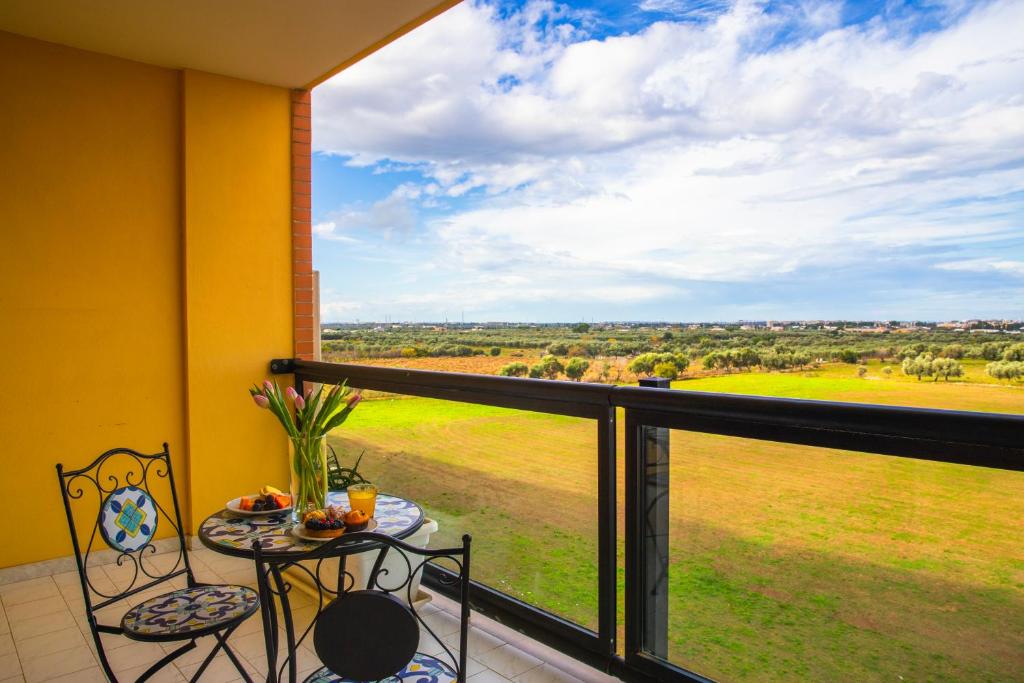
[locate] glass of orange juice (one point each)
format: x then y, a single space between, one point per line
363 497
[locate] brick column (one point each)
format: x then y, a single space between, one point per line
302 227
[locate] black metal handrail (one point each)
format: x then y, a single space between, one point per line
968 438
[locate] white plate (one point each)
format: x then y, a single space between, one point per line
297 531
235 502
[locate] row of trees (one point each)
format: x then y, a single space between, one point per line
926 365
548 367
1005 369
667 365
745 358
605 342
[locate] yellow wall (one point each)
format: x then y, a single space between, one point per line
238 260
124 187
90 286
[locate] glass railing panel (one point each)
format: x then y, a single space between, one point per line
524 484
788 562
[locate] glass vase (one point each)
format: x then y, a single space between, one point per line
308 457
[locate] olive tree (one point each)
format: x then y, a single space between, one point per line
576 368
946 368
514 370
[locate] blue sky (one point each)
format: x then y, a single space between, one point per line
678 160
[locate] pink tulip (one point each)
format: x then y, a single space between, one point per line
309 393
267 386
300 402
261 400
292 394
354 400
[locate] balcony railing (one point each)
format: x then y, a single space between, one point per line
963 438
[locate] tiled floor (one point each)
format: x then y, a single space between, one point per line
44 637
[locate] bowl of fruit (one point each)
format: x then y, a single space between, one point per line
268 500
331 522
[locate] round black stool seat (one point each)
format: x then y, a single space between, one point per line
366 635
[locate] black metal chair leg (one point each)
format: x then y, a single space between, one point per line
231 655
221 643
164 661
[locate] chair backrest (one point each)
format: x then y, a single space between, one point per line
116 503
365 633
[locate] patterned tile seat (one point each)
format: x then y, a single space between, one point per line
422 669
189 612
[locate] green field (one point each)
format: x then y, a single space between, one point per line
787 562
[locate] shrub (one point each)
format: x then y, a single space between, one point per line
1008 370
862 370
849 356
514 370
645 363
955 351
495 351
666 370
1014 353
887 369
919 366
558 349
946 368
548 367
576 368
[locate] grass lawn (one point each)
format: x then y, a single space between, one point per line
787 562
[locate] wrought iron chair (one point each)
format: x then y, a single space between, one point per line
126 518
367 634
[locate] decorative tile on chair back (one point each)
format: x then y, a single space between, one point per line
128 519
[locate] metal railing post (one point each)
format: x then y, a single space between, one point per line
654 454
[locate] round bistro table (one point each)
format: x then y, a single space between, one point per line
229 533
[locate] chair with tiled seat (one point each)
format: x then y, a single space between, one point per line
118 496
370 634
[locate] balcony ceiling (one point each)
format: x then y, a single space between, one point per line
293 43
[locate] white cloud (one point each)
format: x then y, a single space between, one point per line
986 265
693 151
387 216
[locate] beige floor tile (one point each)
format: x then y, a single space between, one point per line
7 646
487 676
9 665
196 654
546 674
252 645
65 579
37 626
36 608
164 563
133 655
307 660
473 667
5 627
57 664
221 670
429 645
27 591
479 642
76 605
91 675
110 641
240 577
168 674
253 624
508 661
16 678
441 623
57 641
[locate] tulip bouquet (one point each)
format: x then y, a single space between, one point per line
315 415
